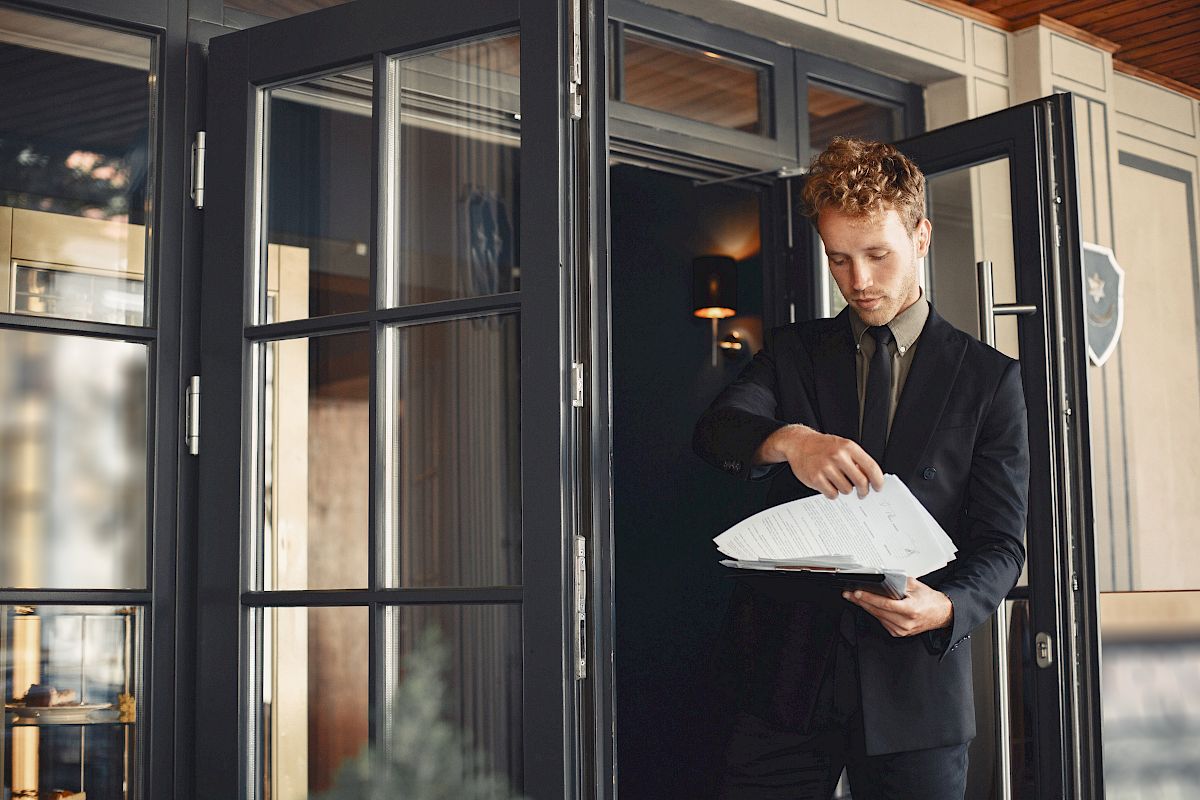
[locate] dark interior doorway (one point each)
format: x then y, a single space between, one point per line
671 592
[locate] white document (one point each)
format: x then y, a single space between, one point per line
885 531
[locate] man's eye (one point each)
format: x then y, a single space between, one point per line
837 262
878 256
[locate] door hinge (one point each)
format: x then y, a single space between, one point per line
191 426
580 595
575 83
198 170
1043 650
577 373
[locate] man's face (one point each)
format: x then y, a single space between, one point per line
874 260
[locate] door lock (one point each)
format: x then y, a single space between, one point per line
1043 650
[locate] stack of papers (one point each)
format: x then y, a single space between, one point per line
883 538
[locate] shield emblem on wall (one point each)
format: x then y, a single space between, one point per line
1104 299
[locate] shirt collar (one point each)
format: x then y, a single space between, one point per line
906 326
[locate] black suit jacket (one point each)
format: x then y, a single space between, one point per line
959 441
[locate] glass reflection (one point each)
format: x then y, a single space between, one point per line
72 462
1151 666
315 696
457 173
75 173
454 680
455 467
693 83
318 205
832 113
72 692
316 471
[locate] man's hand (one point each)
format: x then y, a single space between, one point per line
925 609
829 464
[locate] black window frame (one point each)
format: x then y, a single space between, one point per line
643 126
166 644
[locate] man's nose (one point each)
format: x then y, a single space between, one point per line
860 275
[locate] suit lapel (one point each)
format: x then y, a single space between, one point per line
926 390
837 382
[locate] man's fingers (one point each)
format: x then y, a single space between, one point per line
854 474
872 600
839 480
867 465
822 485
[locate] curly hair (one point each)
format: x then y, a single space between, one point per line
865 178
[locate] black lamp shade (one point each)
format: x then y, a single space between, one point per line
714 287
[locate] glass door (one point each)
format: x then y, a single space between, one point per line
1005 265
384 457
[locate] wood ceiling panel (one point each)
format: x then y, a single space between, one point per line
1127 29
1159 36
1185 38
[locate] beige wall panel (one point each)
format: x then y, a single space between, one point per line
927 28
946 102
990 97
991 48
815 6
1029 80
1161 378
1098 124
78 241
1145 101
1077 62
5 257
1084 138
1142 615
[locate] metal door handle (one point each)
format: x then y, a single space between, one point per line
988 310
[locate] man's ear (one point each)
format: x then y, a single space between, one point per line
922 236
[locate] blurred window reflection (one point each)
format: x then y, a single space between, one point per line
76 173
72 462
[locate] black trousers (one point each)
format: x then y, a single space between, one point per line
763 762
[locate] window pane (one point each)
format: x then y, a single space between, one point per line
318 203
832 113
1151 660
457 181
454 705
455 468
278 9
72 462
75 168
696 84
315 696
316 474
72 699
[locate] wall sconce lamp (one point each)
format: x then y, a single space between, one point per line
714 297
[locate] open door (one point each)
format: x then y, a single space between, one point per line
1005 264
386 546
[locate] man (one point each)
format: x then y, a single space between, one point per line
828 679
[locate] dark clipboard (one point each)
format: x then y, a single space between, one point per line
804 583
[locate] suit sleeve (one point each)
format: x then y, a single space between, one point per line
995 512
741 418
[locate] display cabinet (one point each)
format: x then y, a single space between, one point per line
72 689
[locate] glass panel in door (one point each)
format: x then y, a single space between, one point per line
377 353
988 183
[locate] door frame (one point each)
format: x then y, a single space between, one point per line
1038 139
239 65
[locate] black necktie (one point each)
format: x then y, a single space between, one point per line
878 400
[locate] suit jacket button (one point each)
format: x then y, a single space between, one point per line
929 473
